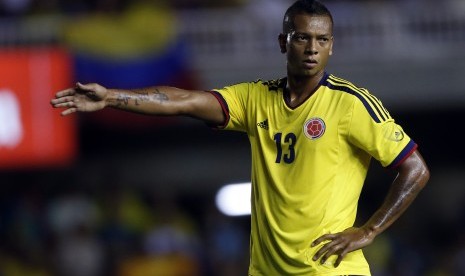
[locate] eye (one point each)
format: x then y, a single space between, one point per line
300 37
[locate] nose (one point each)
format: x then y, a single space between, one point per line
310 48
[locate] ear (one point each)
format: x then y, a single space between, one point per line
331 46
282 42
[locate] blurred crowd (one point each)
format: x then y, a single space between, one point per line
30 7
71 231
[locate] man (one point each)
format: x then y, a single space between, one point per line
312 137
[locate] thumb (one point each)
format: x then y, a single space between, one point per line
88 87
81 86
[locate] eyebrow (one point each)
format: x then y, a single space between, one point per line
309 34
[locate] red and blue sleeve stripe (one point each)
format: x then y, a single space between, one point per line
224 106
404 154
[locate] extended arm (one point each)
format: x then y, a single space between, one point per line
413 174
160 100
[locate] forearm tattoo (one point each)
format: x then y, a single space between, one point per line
159 96
122 100
141 97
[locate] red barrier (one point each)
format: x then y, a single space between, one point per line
32 133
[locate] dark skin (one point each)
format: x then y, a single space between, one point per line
308 46
412 176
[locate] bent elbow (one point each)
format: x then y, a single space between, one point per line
424 176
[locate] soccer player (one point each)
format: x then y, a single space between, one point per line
312 137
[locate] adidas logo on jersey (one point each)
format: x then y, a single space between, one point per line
263 124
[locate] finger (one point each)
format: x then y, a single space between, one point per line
64 103
62 100
323 238
68 111
333 250
339 258
67 104
322 250
66 92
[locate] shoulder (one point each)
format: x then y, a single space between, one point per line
273 85
270 85
258 85
361 97
343 85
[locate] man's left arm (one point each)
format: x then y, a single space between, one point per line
413 174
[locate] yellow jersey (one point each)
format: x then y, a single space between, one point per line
309 164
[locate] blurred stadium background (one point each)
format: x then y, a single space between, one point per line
113 193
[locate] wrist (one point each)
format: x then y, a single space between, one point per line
111 99
371 231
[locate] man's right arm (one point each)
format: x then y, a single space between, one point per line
158 100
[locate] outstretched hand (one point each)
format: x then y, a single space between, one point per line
82 97
341 243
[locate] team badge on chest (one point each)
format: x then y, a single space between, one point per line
314 128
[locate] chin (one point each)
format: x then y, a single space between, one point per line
309 73
305 72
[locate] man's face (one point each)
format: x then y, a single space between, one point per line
308 46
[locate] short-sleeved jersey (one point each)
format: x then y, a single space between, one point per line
309 164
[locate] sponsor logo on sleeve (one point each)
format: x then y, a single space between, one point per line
394 132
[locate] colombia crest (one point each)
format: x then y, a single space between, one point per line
314 128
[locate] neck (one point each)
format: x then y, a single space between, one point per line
300 88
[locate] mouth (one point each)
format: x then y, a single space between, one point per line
310 63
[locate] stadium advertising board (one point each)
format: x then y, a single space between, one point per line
32 133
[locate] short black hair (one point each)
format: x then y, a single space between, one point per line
311 7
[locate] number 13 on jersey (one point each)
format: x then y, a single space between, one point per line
285 150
